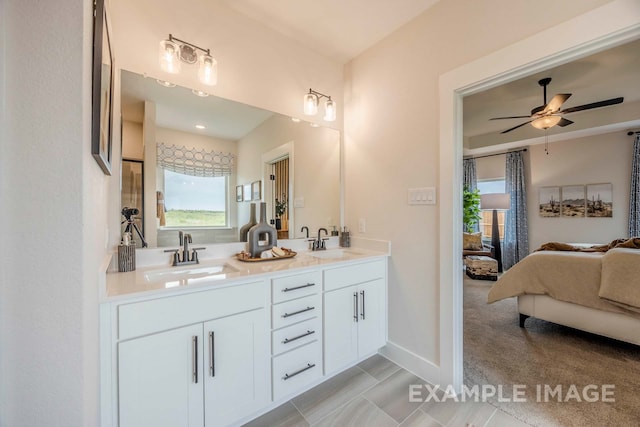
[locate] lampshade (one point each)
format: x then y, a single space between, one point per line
208 70
330 110
169 57
497 201
310 104
546 122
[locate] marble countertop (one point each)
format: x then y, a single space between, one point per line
146 282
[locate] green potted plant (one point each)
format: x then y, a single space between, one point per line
470 208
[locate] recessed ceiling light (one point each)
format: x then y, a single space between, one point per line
165 83
314 125
199 127
295 119
200 93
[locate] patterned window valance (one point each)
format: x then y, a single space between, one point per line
195 162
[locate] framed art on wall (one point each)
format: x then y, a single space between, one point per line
549 206
239 193
102 90
256 190
573 201
600 200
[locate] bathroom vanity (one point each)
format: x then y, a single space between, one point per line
223 341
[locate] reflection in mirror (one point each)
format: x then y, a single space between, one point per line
131 195
198 152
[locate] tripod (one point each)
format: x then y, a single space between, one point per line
131 225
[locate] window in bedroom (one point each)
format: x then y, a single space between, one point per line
195 201
491 186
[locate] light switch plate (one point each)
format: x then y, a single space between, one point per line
422 196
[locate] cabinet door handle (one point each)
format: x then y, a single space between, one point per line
298 287
212 349
362 313
306 368
306 334
194 358
355 306
298 312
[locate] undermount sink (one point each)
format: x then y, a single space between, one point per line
192 272
334 253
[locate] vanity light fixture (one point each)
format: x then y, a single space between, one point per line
311 101
199 93
165 83
174 51
200 127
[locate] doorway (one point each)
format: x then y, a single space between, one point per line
513 62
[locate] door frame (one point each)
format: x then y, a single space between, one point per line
579 37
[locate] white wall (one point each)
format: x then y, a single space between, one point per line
132 142
392 142
316 174
591 160
54 216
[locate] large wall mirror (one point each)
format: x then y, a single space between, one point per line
207 159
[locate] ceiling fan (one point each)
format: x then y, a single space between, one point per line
549 114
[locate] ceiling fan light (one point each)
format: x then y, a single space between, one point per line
208 70
330 110
310 104
546 122
169 62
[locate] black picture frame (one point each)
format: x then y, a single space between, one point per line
102 91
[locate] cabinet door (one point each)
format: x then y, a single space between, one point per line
236 367
160 379
371 334
340 328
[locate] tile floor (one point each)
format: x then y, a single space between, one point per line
375 393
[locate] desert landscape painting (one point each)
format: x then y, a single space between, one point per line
573 201
549 202
599 200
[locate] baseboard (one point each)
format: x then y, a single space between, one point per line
417 365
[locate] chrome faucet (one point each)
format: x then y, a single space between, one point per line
318 245
188 256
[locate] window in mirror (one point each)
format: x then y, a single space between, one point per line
194 201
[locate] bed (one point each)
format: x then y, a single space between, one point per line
598 292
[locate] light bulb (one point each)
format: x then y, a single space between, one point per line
546 122
330 110
169 57
208 70
310 104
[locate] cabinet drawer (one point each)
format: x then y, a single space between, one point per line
296 369
161 314
299 285
290 312
296 335
336 278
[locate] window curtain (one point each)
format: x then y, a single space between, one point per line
516 232
470 181
634 197
194 162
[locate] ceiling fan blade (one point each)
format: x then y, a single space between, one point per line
516 127
556 102
564 122
599 104
510 117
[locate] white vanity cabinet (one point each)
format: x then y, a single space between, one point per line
296 336
209 373
354 313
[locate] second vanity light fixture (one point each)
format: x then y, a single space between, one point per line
173 51
311 101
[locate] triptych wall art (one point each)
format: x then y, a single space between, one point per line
577 201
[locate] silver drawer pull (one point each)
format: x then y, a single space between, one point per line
194 358
288 340
298 287
309 366
298 312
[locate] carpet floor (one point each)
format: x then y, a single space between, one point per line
498 352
